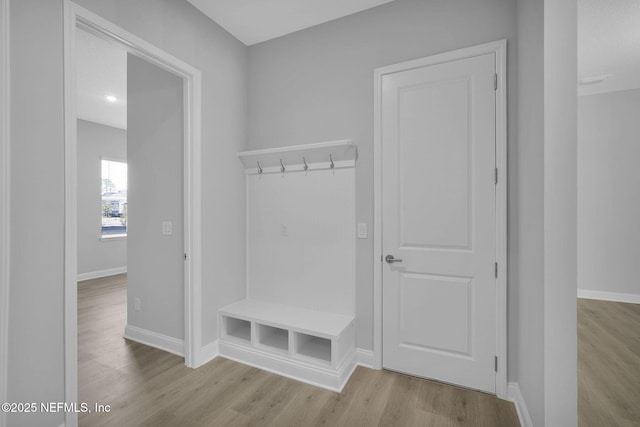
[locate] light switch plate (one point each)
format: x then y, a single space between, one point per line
167 228
362 230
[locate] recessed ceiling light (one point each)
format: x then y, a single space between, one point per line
593 80
110 98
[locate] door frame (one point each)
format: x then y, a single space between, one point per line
76 16
499 48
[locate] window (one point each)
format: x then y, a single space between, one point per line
114 198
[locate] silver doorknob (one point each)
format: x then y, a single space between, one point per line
390 259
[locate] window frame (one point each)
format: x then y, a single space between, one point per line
114 236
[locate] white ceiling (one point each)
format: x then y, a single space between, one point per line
609 44
102 65
255 21
101 70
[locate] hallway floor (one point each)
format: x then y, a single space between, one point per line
149 387
608 364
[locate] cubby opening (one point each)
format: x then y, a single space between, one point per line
313 347
273 337
238 328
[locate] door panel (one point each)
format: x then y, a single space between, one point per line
444 222
426 303
438 163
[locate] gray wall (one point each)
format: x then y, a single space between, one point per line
4 200
526 214
317 85
181 30
96 141
544 247
560 213
155 167
608 182
36 358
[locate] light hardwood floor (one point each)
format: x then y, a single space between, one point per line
608 364
149 387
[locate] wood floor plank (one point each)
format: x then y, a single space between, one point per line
371 397
304 409
149 387
608 363
401 406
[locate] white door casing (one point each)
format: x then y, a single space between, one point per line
442 309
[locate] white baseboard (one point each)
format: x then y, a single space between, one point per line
514 394
325 377
154 339
208 353
609 296
101 273
364 358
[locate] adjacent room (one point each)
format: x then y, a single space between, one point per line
608 212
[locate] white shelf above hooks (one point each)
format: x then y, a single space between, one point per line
316 156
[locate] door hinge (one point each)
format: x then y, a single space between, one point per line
496 363
495 81
496 176
496 272
185 256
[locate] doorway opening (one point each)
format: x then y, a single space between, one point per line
608 236
79 19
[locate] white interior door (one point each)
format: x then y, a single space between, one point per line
438 134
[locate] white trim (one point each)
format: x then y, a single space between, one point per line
515 396
112 237
75 16
364 358
101 273
609 296
499 48
316 156
209 352
325 146
501 219
103 122
5 191
377 221
113 159
287 367
154 339
70 218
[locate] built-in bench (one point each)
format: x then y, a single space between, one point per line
312 346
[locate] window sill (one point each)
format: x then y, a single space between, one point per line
112 237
